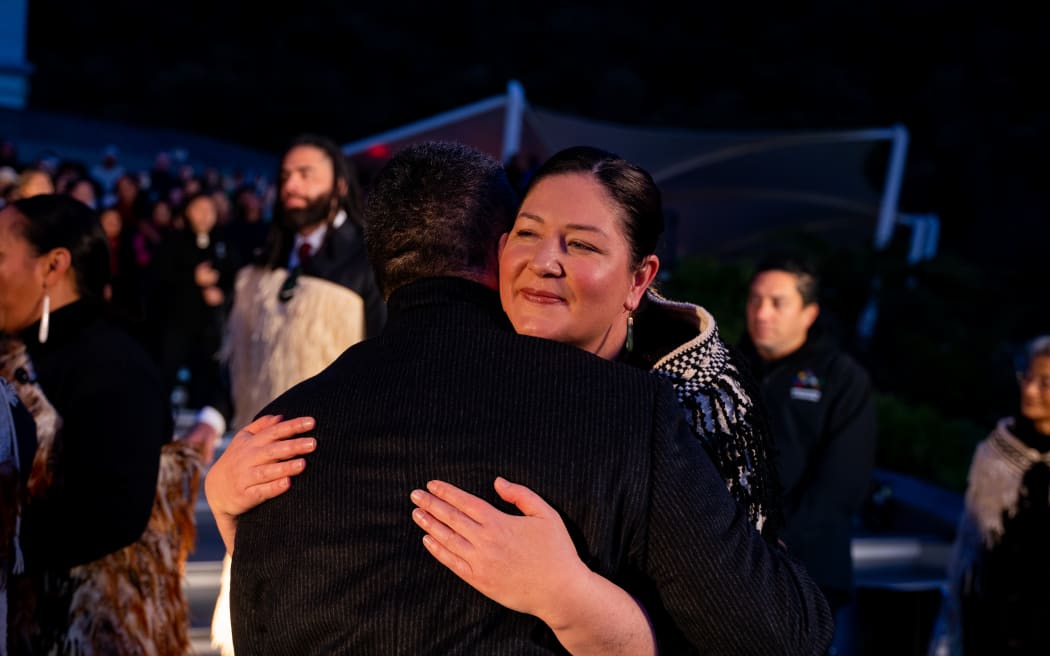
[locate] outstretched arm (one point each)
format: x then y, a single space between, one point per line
529 564
256 466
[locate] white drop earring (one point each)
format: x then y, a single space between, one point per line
45 319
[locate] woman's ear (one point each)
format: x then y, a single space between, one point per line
641 278
502 243
57 262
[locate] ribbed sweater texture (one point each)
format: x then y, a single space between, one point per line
336 565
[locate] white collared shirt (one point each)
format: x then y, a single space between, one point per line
315 238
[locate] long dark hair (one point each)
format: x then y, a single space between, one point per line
279 241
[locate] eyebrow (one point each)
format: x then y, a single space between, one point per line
774 297
570 226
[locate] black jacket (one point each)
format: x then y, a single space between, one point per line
822 411
178 301
336 565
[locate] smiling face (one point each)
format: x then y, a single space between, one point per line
565 267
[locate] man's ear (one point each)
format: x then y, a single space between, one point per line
810 313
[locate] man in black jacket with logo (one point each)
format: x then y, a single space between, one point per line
823 417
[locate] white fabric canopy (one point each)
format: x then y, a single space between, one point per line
725 192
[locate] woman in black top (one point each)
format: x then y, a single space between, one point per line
94 480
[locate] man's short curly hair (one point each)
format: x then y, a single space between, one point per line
436 209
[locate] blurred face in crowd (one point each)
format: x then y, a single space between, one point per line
307 187
83 191
191 186
201 214
1035 393
111 222
777 319
222 206
34 184
127 190
565 267
22 273
250 206
161 214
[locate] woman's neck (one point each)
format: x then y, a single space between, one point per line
62 295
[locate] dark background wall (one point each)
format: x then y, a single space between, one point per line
964 78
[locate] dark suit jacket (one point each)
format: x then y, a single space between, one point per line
336 564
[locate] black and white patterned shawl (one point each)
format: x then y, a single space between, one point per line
723 407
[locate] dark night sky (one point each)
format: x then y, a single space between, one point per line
963 79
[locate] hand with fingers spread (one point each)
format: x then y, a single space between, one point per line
529 564
256 466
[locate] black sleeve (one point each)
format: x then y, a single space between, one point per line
724 587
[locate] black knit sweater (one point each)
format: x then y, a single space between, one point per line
335 566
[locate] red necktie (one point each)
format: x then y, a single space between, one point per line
305 252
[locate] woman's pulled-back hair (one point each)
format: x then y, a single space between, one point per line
629 187
59 221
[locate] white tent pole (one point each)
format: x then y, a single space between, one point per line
434 122
512 119
918 240
760 143
892 189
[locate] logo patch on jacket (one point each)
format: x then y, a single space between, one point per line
806 386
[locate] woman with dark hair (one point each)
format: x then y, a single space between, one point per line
587 218
95 580
576 267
